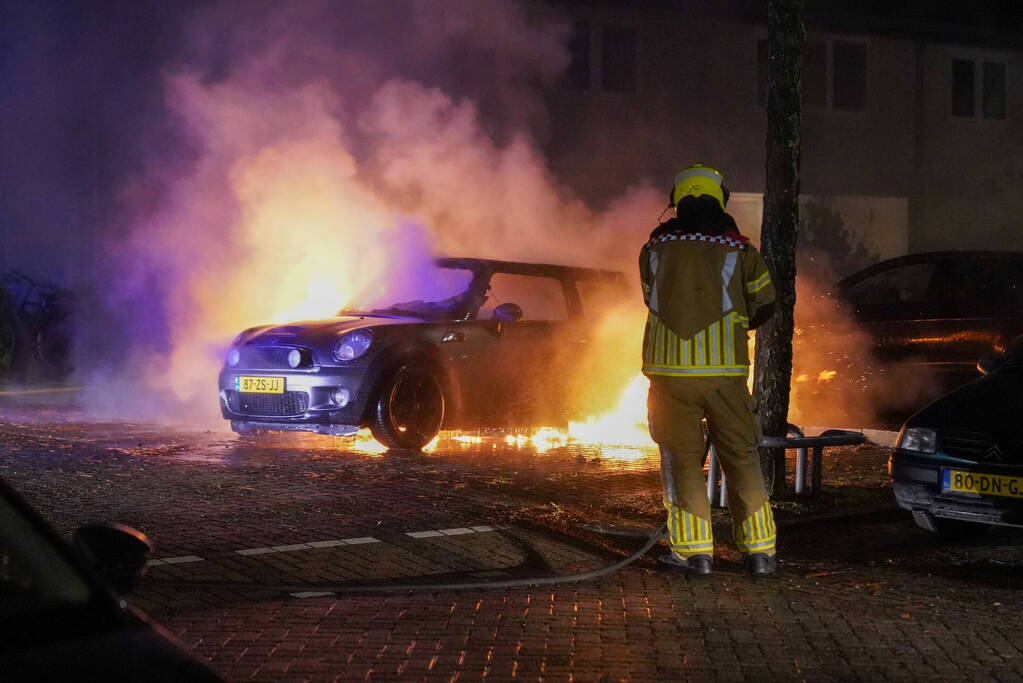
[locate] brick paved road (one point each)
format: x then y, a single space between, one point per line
865 598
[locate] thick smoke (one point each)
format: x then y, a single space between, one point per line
324 153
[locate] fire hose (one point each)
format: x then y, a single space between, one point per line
348 589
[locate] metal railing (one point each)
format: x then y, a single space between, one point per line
809 474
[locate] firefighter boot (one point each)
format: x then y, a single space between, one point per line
697 565
761 564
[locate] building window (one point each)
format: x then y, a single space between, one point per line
968 98
618 58
993 92
963 98
834 74
578 75
606 57
850 76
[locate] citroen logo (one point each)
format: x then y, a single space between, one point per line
994 453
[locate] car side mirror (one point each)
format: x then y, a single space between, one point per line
507 313
117 552
989 363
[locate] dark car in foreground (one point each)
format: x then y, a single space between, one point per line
958 463
493 345
61 616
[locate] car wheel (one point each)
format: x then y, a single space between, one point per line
951 530
409 409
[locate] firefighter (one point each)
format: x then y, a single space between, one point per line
705 286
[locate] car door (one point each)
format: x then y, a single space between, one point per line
530 357
900 308
983 300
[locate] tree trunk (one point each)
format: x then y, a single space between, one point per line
785 40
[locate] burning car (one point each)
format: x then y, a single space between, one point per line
959 461
493 349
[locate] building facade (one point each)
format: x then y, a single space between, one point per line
912 130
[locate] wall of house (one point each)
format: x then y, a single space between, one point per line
940 182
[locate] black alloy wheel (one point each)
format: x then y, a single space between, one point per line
409 409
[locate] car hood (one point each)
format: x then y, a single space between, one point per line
313 332
992 404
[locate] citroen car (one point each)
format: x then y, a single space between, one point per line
491 344
958 463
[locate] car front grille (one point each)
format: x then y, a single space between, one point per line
969 445
288 404
271 357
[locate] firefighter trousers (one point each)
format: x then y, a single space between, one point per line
677 406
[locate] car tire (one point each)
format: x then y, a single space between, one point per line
951 530
408 410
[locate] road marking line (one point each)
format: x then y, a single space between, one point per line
423 534
325 544
256 551
289 548
482 529
312 594
456 532
362 540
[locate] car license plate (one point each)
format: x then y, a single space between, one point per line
960 481
259 385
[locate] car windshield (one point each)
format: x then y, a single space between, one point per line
440 294
32 572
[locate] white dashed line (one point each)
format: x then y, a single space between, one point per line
333 543
424 534
361 541
289 548
311 594
184 559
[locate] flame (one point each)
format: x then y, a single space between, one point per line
625 425
826 375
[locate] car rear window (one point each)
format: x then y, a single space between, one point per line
989 282
540 298
903 284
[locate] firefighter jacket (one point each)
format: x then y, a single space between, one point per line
701 291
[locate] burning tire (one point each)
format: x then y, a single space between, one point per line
409 408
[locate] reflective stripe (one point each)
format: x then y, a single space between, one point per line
757 532
733 371
715 343
652 300
729 340
726 278
701 341
667 477
687 356
688 534
699 173
756 285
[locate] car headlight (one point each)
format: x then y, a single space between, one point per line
352 345
917 439
233 356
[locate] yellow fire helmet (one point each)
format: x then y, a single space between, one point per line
699 180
